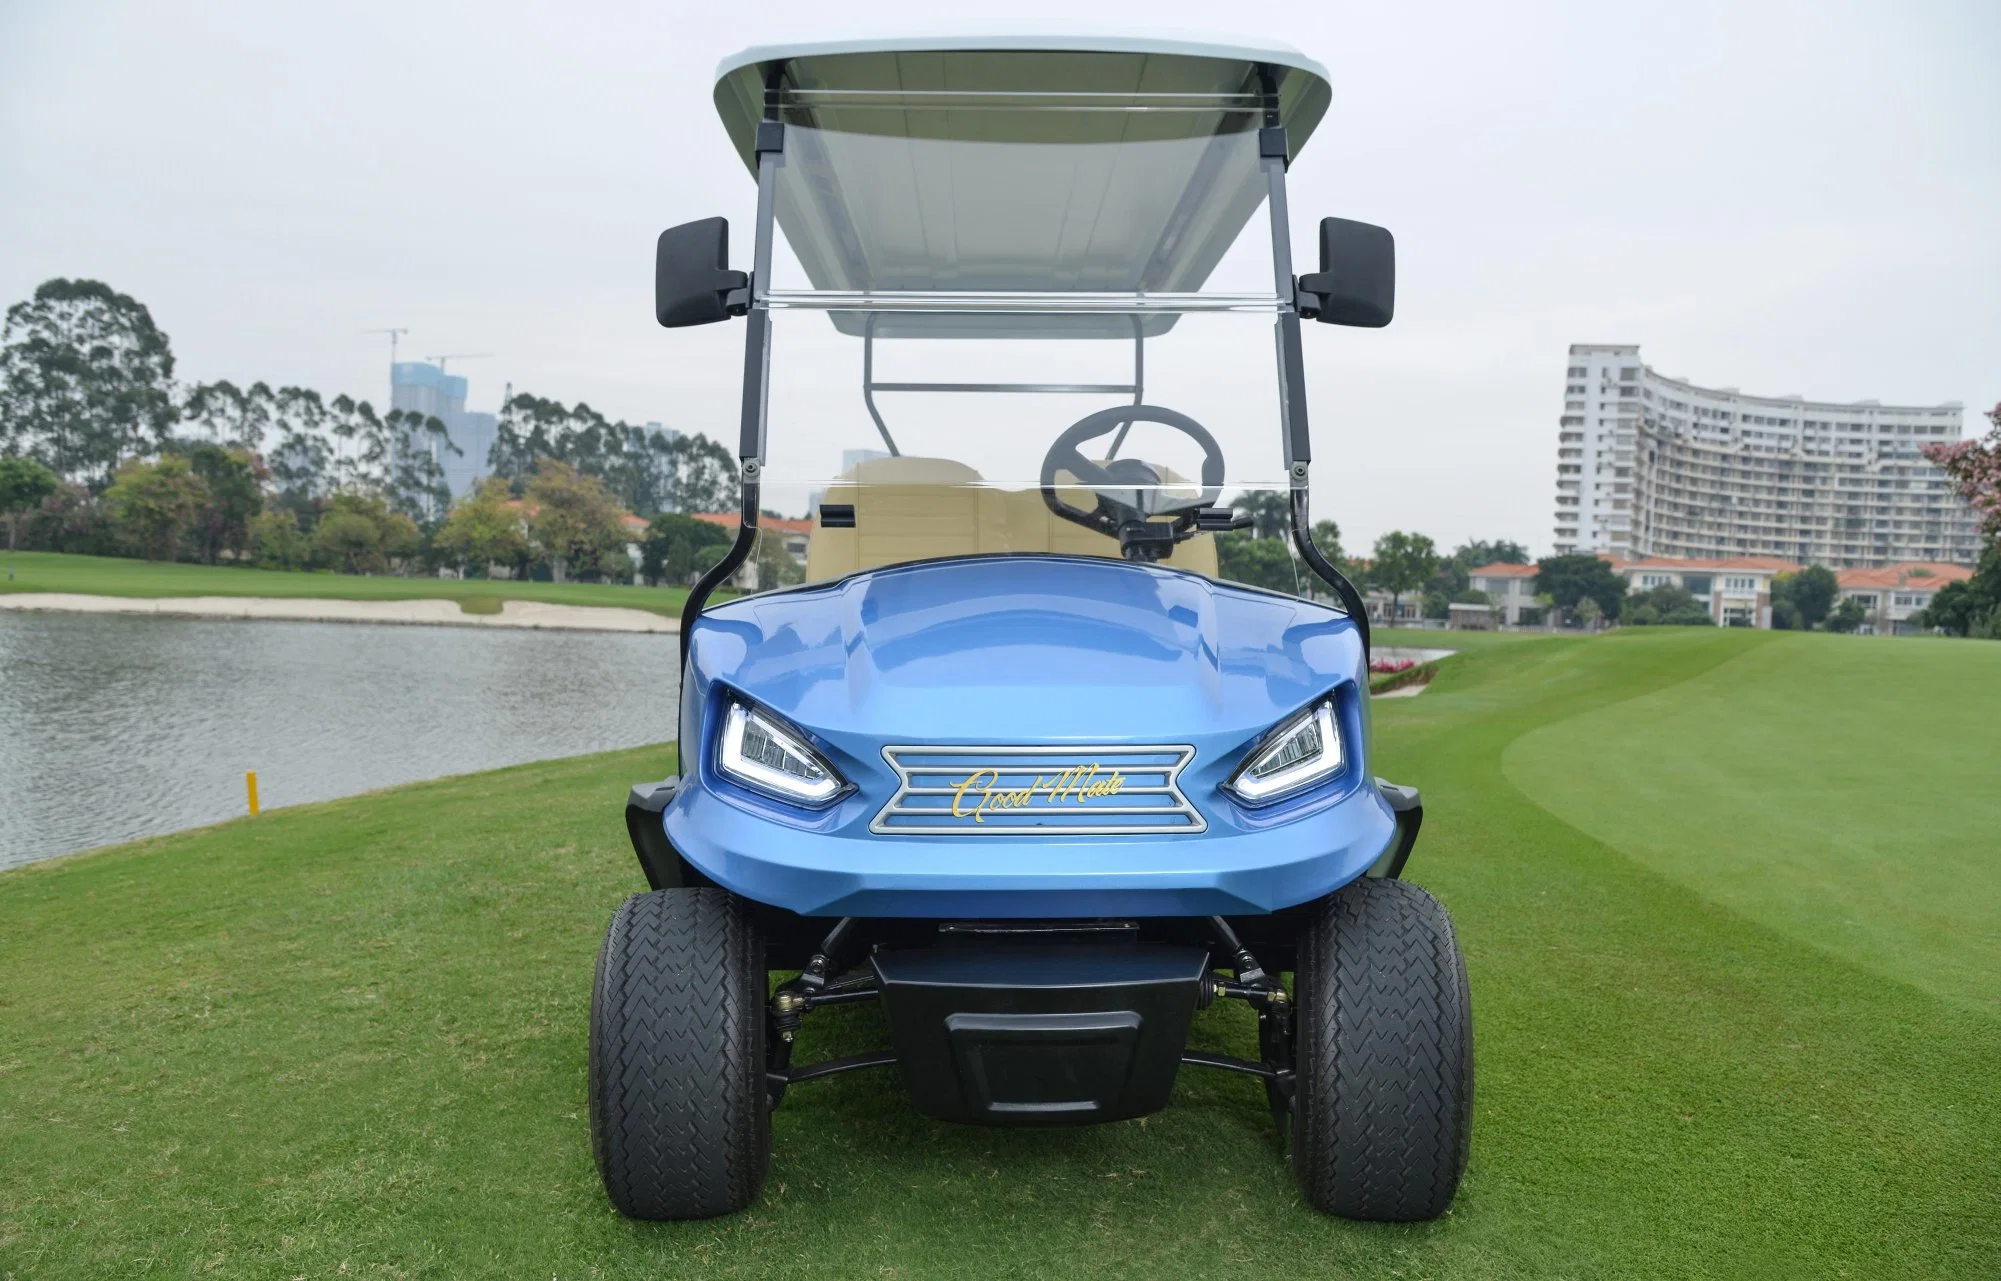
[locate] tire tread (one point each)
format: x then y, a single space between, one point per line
1382 1121
680 1118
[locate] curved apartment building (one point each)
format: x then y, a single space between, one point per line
1652 466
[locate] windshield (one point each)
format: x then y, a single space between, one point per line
885 451
1008 328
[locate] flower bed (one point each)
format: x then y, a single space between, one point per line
1398 673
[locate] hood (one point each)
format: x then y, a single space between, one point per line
1026 649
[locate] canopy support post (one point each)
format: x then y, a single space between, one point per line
1139 383
756 367
868 384
1273 156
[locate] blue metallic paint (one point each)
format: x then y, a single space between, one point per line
1027 649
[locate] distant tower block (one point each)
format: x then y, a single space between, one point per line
1648 465
425 388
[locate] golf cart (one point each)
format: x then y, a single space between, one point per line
1015 759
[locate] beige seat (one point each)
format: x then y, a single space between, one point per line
909 509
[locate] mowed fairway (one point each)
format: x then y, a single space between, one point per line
349 1039
1844 790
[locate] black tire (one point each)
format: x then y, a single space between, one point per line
680 1117
1383 1113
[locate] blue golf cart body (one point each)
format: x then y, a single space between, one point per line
1018 760
1082 661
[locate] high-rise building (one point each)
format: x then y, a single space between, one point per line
420 387
1653 466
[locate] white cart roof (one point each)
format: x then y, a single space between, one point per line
1017 163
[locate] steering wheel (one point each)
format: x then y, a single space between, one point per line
1140 537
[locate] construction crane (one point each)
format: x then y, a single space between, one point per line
439 361
394 334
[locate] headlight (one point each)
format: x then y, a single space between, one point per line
1299 753
762 752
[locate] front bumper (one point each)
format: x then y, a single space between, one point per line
1227 871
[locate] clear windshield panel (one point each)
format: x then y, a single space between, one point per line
822 533
948 187
899 449
1025 319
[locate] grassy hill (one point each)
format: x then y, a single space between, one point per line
116 576
1724 895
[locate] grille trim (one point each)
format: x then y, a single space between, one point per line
928 774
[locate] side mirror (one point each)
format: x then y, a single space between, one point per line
692 282
1357 280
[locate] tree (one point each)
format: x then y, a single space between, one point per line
1570 580
1327 537
678 547
153 504
705 477
776 567
484 528
1974 467
224 415
1475 554
1270 511
648 472
1401 562
576 523
1810 593
1454 576
86 379
1260 562
277 542
1847 616
301 461
416 483
349 541
24 483
1666 605
1972 607
71 520
359 534
234 481
678 563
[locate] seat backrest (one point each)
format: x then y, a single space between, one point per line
910 509
906 509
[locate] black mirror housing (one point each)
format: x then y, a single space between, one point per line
692 282
1357 281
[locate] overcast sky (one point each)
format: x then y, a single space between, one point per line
1781 197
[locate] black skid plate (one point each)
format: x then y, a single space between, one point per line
1040 1034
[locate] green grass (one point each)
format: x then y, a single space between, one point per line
1839 789
348 1039
116 576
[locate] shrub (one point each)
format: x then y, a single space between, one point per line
153 504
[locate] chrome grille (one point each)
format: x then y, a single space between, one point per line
1045 791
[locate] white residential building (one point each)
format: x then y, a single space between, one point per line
1511 588
1737 591
1895 594
1653 466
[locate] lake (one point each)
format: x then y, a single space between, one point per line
113 728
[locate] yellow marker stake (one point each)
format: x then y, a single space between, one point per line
250 785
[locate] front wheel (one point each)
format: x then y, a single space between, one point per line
680 1117
1383 1110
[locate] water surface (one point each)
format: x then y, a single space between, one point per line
115 727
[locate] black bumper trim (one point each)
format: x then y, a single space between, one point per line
663 865
1409 807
